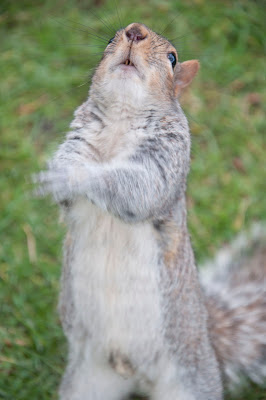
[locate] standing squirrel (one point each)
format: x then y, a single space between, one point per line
136 316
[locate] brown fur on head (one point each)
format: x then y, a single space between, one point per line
136 62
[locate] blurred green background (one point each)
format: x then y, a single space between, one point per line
47 52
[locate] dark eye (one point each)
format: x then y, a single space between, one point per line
172 58
111 40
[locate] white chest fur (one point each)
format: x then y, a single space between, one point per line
114 136
115 281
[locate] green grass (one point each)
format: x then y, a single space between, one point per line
40 61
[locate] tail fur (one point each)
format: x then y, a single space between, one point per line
235 288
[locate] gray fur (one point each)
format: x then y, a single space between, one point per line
131 304
235 288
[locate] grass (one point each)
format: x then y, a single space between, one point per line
44 64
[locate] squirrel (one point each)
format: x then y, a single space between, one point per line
136 314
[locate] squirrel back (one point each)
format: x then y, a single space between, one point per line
234 284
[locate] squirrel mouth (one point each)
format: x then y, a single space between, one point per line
129 63
128 67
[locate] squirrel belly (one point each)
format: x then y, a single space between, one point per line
114 283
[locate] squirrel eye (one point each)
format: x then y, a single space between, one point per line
172 58
111 40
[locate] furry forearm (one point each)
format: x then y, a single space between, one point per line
131 192
141 187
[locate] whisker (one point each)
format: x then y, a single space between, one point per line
167 26
109 27
81 44
110 21
87 27
118 14
100 53
158 45
179 37
80 30
67 91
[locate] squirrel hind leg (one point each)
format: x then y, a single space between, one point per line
85 379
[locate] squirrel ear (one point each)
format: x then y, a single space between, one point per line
184 74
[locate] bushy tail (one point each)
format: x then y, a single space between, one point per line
235 288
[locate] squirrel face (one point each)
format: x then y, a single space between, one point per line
138 63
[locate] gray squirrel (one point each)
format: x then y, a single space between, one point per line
137 317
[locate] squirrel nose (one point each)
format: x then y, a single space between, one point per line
136 32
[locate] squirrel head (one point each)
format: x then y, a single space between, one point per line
139 64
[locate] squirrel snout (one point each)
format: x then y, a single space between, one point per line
136 32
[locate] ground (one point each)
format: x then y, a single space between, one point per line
47 51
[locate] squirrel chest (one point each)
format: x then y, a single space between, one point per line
112 138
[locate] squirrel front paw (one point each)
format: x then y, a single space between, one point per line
62 183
